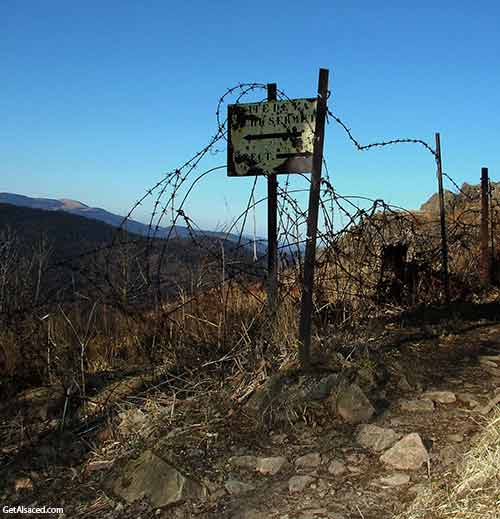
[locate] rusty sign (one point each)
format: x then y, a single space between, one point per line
271 137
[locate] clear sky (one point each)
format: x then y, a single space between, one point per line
100 98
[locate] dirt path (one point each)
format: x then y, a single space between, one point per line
346 479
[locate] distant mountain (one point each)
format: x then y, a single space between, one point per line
80 209
80 255
469 195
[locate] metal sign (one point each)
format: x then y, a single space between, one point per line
271 137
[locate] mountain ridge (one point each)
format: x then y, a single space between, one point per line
78 208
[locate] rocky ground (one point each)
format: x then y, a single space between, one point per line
323 446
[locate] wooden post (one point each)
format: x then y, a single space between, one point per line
272 226
442 214
485 261
492 233
312 224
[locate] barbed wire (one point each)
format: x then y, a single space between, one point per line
361 147
353 234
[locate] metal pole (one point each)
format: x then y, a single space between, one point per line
484 262
492 232
272 226
312 224
442 214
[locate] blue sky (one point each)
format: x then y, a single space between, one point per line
100 98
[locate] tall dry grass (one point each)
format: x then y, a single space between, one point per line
473 491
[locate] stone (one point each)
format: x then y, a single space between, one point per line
403 384
236 488
417 406
408 453
443 397
41 403
448 455
322 389
469 399
299 483
278 439
309 461
270 466
244 462
95 466
353 405
23 485
160 483
376 438
250 513
457 438
395 480
132 422
417 489
265 395
336 468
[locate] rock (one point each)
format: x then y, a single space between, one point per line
356 458
403 384
322 389
353 405
395 480
336 468
161 483
270 466
309 461
244 462
468 398
132 422
41 403
266 466
279 439
250 513
236 488
448 455
23 485
443 397
262 399
457 438
417 489
299 483
417 406
376 438
408 453
95 466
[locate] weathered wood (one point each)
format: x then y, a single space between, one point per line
485 258
312 224
272 226
442 216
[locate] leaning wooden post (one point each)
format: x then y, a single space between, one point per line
442 214
272 226
485 260
312 224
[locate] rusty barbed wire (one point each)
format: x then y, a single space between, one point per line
355 233
361 147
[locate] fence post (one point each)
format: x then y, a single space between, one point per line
272 226
442 215
485 259
312 224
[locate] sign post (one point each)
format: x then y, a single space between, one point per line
442 218
283 137
485 259
312 224
272 226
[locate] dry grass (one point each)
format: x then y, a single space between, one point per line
474 492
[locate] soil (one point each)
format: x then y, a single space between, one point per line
64 469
